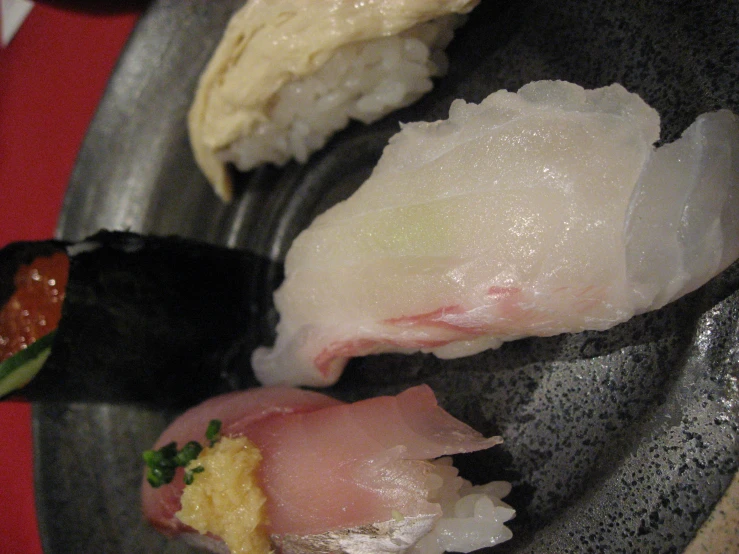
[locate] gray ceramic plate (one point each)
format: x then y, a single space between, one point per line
620 441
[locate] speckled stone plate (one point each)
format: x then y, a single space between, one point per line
618 441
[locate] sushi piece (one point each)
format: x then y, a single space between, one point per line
120 317
533 213
300 472
33 281
289 73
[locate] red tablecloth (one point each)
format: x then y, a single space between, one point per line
52 76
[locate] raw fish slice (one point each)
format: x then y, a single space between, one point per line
371 456
526 215
682 227
329 467
237 409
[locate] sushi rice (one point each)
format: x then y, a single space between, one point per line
473 517
287 74
364 81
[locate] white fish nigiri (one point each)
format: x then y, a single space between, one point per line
290 73
331 477
531 214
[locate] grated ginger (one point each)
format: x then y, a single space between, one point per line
225 498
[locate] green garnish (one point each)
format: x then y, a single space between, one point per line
163 463
213 432
188 453
190 474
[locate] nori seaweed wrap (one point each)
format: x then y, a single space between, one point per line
148 319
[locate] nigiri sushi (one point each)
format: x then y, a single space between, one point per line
532 213
300 472
289 73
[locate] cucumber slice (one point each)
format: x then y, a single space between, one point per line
19 369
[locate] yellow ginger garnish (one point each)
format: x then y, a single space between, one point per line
225 499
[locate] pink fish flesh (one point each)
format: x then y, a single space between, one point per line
327 466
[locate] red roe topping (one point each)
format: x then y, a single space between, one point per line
35 308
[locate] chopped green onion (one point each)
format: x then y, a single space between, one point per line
163 463
213 432
190 474
188 453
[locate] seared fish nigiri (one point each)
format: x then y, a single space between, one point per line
300 472
290 73
533 213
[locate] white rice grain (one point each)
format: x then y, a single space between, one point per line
363 81
473 517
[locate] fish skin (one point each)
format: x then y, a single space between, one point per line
387 537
